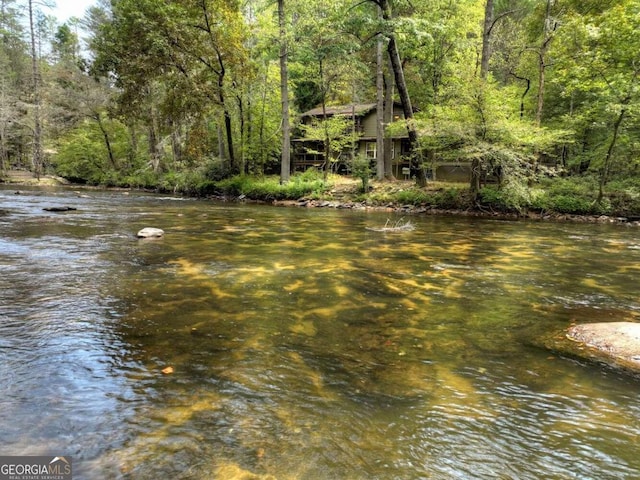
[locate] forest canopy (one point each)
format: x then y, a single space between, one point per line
179 93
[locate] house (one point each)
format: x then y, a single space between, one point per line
361 120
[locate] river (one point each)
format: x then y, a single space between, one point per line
264 342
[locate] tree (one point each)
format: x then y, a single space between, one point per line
14 78
335 134
380 144
327 56
264 123
403 91
36 160
476 165
486 39
599 66
65 44
197 47
549 26
285 166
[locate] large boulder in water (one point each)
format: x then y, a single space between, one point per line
150 232
617 343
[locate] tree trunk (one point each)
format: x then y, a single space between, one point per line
176 144
416 157
476 165
133 144
541 80
285 162
261 140
107 142
227 115
229 133
388 142
154 154
4 154
547 30
606 168
476 172
243 166
37 122
327 140
486 39
401 84
325 126
220 141
249 163
380 153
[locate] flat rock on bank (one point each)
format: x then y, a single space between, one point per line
618 343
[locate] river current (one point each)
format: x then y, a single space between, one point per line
254 341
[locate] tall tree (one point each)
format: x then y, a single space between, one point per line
197 47
65 45
36 160
599 70
486 39
380 146
403 91
476 166
14 75
549 26
285 164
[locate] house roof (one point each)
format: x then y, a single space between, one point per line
358 109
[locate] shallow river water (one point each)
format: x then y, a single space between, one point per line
300 344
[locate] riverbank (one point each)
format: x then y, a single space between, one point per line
399 197
430 210
346 194
26 178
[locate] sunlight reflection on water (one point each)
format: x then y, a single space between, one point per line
303 345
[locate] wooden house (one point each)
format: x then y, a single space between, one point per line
362 121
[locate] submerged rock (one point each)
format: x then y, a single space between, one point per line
150 232
59 209
617 343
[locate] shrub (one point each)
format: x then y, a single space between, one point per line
413 196
144 178
269 188
574 195
624 196
493 197
234 186
180 182
451 199
361 168
214 169
570 204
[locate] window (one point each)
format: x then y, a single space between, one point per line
370 150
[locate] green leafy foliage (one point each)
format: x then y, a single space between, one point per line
332 135
361 168
183 95
83 156
270 188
